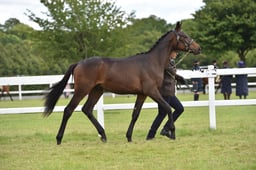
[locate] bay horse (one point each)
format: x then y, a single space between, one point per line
6 89
141 74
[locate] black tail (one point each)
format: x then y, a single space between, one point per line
53 96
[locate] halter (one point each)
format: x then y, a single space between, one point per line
184 41
182 58
186 44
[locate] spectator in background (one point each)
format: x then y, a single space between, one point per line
196 82
241 82
226 80
217 79
205 79
214 63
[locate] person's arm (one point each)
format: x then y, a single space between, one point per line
180 79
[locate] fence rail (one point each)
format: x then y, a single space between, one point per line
51 79
250 84
125 106
100 107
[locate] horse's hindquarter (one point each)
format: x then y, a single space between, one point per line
88 74
113 75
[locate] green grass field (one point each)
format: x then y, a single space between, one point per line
27 141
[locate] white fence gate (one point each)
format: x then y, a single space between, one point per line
210 72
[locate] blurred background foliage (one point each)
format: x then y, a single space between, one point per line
74 30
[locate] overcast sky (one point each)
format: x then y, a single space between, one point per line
170 10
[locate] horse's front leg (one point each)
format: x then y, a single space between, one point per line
135 114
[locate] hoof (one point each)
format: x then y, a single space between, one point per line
58 139
168 134
103 139
129 139
173 137
150 138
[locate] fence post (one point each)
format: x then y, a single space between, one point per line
212 112
100 112
20 91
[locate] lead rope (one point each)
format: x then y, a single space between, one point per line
182 59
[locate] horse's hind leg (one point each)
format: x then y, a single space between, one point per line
10 96
67 114
93 97
135 114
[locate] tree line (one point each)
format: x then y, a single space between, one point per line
72 31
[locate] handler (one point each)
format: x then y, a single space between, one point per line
168 92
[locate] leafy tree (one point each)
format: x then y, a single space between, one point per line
17 59
78 29
150 23
9 38
189 26
140 35
227 25
21 30
9 24
17 56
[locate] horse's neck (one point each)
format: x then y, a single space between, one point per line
161 57
162 50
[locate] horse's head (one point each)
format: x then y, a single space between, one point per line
184 42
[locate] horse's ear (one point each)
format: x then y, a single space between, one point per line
178 26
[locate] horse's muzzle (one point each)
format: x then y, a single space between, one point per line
196 51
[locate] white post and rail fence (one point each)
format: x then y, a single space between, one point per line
209 72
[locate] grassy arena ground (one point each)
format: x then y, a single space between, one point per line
27 141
